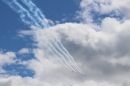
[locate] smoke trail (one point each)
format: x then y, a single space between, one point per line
65 55
33 12
59 59
28 19
36 11
32 7
55 52
60 55
59 42
24 14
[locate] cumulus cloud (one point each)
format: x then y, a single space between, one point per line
102 55
6 58
23 51
92 9
19 81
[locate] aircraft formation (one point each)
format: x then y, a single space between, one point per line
33 16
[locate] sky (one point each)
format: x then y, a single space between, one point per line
95 32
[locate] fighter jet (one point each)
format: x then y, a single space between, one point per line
84 75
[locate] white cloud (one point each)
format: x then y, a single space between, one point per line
102 55
18 81
23 51
91 8
7 57
126 83
121 60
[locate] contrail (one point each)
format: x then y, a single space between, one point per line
36 12
24 14
60 55
60 49
36 18
59 42
34 9
59 59
57 54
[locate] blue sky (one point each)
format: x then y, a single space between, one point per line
95 33
11 23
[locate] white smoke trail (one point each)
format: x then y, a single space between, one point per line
36 12
34 9
60 49
57 54
24 14
60 56
59 59
39 17
59 42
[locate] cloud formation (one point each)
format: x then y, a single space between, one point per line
99 44
23 51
